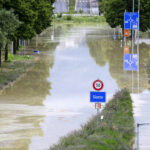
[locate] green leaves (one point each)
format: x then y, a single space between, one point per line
35 15
8 23
114 12
43 9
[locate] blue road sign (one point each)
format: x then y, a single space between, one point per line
131 20
130 62
97 96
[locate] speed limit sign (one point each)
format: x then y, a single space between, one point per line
98 85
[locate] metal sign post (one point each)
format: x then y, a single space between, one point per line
97 117
97 97
97 106
131 22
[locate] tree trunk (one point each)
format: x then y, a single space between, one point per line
18 44
6 51
15 47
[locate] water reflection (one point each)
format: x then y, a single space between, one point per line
21 105
106 50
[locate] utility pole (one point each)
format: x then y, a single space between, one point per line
138 75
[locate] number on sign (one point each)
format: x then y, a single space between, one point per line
98 85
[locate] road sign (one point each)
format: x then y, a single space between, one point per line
126 33
131 20
98 85
130 62
126 50
97 105
97 97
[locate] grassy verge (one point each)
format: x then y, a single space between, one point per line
81 19
116 131
13 68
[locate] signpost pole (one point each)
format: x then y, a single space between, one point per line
98 97
132 48
97 117
138 76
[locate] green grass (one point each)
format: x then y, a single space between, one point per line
13 68
12 57
81 19
116 131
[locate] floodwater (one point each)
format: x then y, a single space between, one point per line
52 98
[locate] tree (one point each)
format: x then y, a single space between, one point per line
8 25
2 43
100 6
114 12
43 8
35 15
26 15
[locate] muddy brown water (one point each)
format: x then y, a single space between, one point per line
52 99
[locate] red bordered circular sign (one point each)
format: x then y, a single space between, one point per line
98 85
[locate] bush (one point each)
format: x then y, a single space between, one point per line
80 11
59 15
68 18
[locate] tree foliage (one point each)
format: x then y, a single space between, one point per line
114 12
43 9
34 15
8 24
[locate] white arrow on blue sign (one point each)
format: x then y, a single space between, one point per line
97 96
130 62
131 20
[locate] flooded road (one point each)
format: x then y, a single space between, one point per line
52 98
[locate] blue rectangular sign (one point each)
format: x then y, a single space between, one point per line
131 20
97 97
130 62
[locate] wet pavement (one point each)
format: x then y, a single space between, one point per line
52 99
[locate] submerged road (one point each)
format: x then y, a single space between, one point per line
52 99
